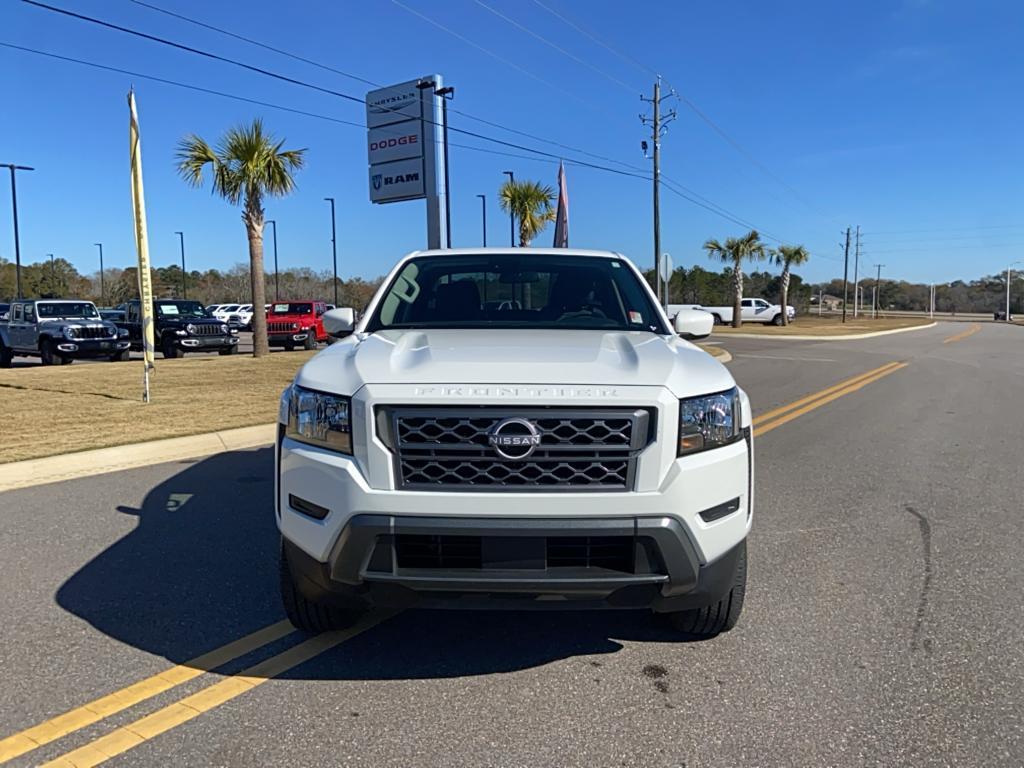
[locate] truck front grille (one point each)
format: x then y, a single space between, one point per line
95 332
208 329
282 327
579 449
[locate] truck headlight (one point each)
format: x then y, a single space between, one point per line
122 332
70 332
223 328
319 419
709 421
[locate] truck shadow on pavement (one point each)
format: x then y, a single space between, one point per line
200 570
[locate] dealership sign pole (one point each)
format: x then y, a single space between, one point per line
405 150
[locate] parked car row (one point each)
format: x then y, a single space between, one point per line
60 331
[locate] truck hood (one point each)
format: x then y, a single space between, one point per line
515 357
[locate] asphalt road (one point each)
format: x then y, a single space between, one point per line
883 622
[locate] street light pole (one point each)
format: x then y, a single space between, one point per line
53 274
511 213
334 248
874 299
103 293
277 282
184 285
445 94
17 242
483 213
1008 289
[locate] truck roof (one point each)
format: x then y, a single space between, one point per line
508 250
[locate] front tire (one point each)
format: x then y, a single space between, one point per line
48 353
310 342
717 319
228 350
711 620
170 349
120 357
6 356
311 616
777 320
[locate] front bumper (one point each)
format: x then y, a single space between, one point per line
281 339
85 348
194 343
517 566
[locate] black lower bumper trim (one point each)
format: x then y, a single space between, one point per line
667 575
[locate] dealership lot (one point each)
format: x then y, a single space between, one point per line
882 625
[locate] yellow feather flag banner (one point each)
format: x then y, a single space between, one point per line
142 245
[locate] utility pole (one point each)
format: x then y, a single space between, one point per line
821 296
277 281
334 248
931 303
511 213
658 127
856 271
184 279
103 293
874 299
846 272
445 94
1007 318
483 213
17 242
53 276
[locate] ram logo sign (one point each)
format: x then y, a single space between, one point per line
400 180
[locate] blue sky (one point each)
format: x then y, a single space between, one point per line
902 116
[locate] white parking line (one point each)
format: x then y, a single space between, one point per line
780 357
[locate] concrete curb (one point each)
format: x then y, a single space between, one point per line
850 337
52 469
721 355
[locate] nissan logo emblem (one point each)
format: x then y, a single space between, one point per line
514 438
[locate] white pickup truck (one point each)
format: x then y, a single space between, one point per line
518 427
752 311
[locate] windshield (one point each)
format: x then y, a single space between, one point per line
293 308
180 309
51 309
228 307
517 291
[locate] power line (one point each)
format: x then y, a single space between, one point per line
358 78
294 81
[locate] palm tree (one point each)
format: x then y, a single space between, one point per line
246 166
734 252
787 256
530 203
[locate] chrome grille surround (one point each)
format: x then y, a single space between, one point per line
581 449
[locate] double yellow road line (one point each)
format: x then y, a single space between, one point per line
124 738
766 422
131 735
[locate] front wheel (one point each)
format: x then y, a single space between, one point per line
717 319
228 350
718 617
311 616
120 357
6 356
48 353
170 349
777 320
310 342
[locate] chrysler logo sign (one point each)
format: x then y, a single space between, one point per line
514 438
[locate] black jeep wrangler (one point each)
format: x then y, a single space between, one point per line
180 326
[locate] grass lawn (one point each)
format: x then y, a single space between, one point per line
53 410
812 325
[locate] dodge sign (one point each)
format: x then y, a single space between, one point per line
395 142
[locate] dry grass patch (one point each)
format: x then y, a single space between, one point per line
55 410
806 325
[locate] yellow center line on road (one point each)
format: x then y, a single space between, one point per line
822 393
105 706
829 396
975 327
122 739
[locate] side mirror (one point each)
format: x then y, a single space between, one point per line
693 323
339 322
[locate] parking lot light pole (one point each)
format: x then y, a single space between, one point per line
17 242
334 248
53 274
103 293
184 286
511 213
277 282
1008 269
483 213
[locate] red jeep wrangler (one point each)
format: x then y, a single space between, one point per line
296 323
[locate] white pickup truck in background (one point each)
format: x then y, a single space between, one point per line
752 311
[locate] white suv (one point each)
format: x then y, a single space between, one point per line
520 427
